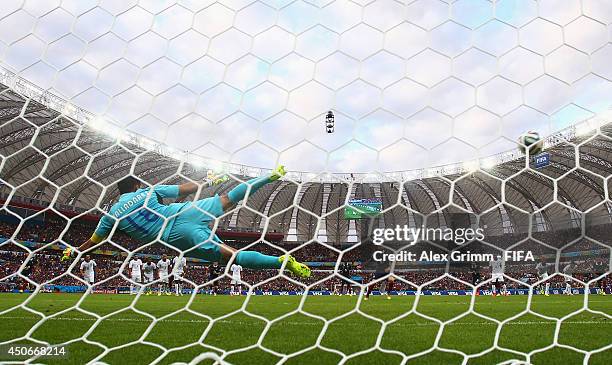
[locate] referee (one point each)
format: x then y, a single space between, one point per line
213 273
476 276
345 270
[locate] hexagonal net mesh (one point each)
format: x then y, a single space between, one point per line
168 92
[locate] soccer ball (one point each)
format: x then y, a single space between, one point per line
532 141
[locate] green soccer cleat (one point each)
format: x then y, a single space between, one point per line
278 173
296 268
220 180
216 179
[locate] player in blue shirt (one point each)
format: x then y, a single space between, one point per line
141 214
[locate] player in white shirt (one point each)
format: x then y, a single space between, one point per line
135 274
178 270
236 270
88 271
149 273
569 270
163 268
542 270
497 274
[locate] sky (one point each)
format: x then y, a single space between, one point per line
413 84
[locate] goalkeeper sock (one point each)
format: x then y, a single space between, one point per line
256 260
238 193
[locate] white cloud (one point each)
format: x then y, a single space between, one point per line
317 58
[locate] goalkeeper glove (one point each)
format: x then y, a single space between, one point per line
67 254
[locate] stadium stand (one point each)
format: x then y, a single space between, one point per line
45 205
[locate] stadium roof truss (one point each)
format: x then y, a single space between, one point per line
41 132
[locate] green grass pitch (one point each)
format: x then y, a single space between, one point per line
235 334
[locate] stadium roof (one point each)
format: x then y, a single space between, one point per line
84 156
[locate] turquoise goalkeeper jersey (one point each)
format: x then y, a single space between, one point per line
139 217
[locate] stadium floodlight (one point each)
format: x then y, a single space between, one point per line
115 132
583 129
148 143
196 161
98 123
110 129
216 165
176 154
488 163
471 166
589 126
69 110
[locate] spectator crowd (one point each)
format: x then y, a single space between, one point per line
24 266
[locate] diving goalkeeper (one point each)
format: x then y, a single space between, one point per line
188 223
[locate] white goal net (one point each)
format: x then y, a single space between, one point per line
428 99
